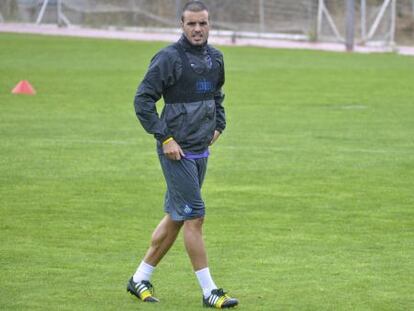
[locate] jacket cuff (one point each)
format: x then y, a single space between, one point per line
162 138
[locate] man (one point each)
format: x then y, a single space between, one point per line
188 75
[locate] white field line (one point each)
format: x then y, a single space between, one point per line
61 141
328 150
378 151
263 148
92 141
244 149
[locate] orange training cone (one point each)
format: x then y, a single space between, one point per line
24 87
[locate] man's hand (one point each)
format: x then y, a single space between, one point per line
172 150
215 137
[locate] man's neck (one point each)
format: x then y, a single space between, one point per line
188 46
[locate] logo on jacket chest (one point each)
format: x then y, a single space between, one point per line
203 86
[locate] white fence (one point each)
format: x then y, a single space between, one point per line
380 22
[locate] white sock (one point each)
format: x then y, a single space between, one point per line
143 272
206 282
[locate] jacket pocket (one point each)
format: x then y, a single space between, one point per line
200 124
211 110
175 116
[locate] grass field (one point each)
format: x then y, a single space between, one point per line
309 193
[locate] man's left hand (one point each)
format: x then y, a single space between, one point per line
215 137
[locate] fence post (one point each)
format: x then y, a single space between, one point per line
412 4
178 9
261 16
320 16
59 12
393 17
350 27
42 11
363 19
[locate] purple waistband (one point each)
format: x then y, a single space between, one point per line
193 156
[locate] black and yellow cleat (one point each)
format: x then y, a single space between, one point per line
143 290
219 300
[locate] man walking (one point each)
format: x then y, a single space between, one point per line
188 75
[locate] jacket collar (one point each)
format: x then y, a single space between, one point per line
183 41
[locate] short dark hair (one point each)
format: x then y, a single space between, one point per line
193 6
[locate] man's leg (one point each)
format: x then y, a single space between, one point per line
162 239
183 201
194 244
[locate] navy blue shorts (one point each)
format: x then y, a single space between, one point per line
184 180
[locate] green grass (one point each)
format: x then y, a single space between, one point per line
309 193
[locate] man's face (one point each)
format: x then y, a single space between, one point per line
196 26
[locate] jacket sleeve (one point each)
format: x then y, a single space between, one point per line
163 71
219 98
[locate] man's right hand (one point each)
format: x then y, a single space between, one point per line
172 150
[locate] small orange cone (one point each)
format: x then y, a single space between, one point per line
24 87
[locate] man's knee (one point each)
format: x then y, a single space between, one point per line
194 224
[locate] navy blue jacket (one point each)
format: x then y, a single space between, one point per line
187 117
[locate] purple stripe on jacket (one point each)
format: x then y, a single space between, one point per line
194 156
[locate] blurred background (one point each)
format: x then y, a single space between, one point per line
374 22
